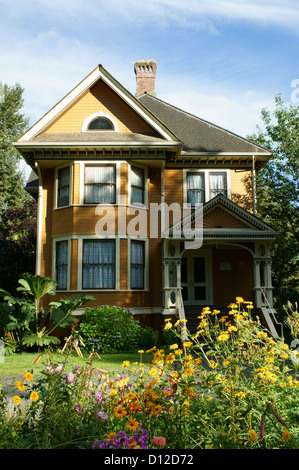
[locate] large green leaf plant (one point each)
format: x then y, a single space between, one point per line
33 324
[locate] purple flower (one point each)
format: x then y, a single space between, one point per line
103 416
78 409
99 397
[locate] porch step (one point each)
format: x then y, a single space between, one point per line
192 313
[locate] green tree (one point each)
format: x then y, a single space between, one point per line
278 194
12 125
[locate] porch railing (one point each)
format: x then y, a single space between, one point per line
269 314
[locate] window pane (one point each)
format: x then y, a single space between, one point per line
199 270
100 184
137 185
63 186
195 188
101 124
218 184
61 264
137 264
99 264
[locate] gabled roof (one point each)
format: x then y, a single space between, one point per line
197 134
253 228
99 73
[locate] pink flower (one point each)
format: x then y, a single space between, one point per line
159 441
70 378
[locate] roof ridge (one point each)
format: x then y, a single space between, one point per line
205 121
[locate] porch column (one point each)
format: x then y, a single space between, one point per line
257 282
268 281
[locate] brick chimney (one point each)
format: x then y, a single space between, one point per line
145 71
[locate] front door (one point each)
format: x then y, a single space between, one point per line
196 278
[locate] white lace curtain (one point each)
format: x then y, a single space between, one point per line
196 188
217 184
99 264
100 184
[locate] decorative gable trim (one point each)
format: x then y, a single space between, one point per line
99 73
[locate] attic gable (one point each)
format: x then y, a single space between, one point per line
89 95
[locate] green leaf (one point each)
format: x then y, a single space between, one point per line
37 286
45 340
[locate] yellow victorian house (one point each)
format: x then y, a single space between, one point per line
145 205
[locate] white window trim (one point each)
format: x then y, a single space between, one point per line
62 239
117 181
206 177
80 262
57 168
145 169
146 264
93 116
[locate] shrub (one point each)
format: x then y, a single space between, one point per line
109 329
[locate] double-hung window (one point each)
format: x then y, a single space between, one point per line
205 185
99 264
100 184
195 188
62 264
63 186
137 264
218 184
137 185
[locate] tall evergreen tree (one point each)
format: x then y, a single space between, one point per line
12 125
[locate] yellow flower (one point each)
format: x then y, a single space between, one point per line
170 358
119 412
132 425
285 435
16 399
168 326
111 436
239 300
187 344
113 393
224 336
173 346
177 352
141 351
20 385
34 396
262 335
28 376
126 363
252 436
214 364
284 356
232 328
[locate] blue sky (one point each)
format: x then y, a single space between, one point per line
223 60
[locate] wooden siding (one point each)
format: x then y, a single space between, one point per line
241 188
99 98
219 218
46 241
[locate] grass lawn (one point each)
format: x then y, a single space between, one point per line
18 364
